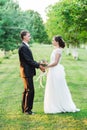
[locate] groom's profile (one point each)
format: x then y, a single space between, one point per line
27 71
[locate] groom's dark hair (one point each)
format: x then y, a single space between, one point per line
23 33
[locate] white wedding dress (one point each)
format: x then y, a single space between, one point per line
57 97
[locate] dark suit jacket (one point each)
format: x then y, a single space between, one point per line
27 63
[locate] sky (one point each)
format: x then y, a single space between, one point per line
36 5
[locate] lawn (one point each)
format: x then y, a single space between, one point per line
11 88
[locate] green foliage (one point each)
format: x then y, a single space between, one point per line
9 26
34 23
69 19
2 2
13 20
1 59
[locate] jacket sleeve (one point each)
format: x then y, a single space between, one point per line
27 55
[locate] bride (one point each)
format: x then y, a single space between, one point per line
57 97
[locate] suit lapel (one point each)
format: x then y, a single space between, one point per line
24 44
27 47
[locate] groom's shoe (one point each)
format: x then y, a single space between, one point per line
29 113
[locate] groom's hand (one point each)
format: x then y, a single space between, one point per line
42 68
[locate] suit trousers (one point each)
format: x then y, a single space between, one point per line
28 94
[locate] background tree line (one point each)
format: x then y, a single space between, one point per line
13 20
67 18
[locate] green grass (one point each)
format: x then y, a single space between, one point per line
11 88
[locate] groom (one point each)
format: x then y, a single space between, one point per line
27 71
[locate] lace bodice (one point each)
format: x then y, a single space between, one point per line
55 51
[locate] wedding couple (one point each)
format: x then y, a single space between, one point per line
57 95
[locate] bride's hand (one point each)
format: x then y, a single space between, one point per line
46 67
42 68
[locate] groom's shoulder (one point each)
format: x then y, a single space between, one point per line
21 45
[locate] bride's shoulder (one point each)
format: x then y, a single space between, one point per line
58 50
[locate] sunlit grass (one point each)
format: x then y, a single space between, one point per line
11 88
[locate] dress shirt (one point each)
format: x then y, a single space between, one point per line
26 43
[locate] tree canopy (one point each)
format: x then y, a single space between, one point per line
69 19
13 20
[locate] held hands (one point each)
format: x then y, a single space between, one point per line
43 65
42 68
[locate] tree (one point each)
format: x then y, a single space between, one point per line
34 23
13 20
9 25
69 19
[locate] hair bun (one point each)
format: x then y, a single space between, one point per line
60 41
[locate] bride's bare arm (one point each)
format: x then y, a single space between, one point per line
57 57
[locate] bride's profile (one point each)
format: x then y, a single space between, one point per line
57 97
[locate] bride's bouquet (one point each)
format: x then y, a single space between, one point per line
43 63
